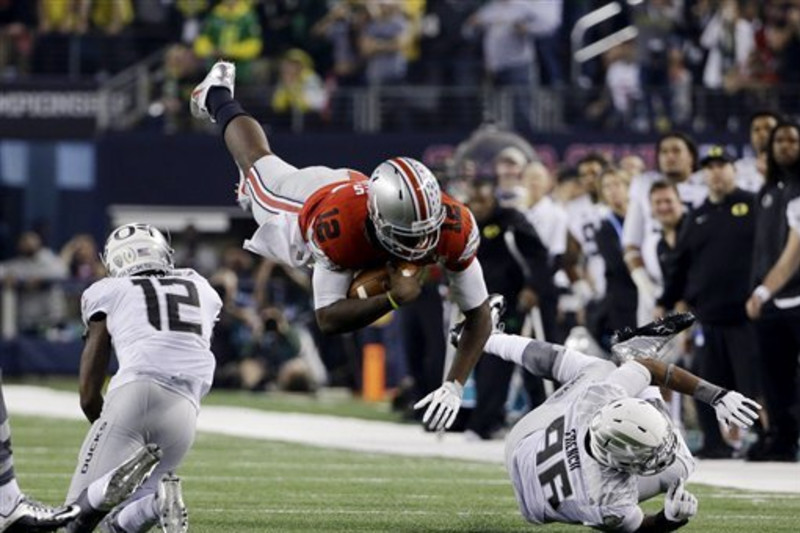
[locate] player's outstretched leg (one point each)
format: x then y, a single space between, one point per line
18 512
648 340
117 485
213 100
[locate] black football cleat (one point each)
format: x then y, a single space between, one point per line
648 340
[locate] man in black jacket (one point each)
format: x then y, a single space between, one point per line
710 270
517 267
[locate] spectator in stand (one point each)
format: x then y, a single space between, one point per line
276 358
750 170
187 17
59 24
299 90
633 165
516 266
80 256
548 218
778 315
723 228
677 158
624 86
231 31
508 28
508 167
448 59
17 23
109 46
620 299
194 251
287 24
181 68
656 21
382 41
34 274
730 40
341 26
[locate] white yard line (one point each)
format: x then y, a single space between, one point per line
383 437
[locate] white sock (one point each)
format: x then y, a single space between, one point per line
97 490
140 515
9 496
507 347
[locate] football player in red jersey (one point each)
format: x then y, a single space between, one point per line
344 222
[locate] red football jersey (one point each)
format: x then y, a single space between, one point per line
334 224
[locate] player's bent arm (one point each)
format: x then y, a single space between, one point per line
477 327
334 311
94 362
350 314
731 407
785 267
658 523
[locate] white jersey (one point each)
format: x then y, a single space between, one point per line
160 327
641 229
793 214
554 477
550 221
584 220
748 177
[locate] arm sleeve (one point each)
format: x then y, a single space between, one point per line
99 298
467 287
533 254
329 286
634 227
558 245
793 215
632 377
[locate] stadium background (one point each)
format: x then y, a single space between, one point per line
95 131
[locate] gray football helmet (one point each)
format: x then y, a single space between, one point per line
135 248
632 435
405 205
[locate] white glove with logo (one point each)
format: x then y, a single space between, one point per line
680 504
444 405
736 408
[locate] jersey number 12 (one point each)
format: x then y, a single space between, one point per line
174 322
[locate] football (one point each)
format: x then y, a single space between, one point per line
374 281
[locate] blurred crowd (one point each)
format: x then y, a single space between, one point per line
692 64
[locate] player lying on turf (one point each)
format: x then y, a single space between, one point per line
159 320
346 223
603 441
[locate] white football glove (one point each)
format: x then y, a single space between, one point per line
735 408
444 405
680 504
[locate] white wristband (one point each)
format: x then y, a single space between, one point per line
762 293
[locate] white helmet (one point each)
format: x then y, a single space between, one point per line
634 436
135 248
405 205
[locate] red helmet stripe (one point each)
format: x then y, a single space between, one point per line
416 186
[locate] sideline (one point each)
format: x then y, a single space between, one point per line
383 437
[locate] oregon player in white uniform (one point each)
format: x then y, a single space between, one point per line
602 442
159 320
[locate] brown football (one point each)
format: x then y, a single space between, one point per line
374 281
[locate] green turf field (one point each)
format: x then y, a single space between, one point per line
243 485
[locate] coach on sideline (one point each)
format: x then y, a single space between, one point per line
710 270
